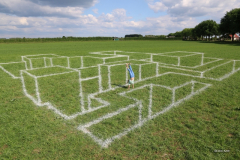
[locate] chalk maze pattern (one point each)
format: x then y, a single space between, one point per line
178 60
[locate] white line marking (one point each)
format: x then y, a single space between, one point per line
45 64
89 78
100 78
109 115
138 104
217 66
55 74
25 91
51 62
37 90
109 78
150 102
14 77
156 69
202 59
29 74
30 61
81 61
140 72
40 55
105 143
234 64
10 63
68 62
192 91
81 92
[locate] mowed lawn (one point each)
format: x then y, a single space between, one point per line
204 127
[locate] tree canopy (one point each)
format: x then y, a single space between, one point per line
207 28
230 23
187 32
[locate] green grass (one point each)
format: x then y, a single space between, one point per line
178 54
208 121
14 68
165 59
191 61
48 71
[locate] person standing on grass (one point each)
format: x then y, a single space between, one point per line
131 81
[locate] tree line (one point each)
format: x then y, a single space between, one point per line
229 25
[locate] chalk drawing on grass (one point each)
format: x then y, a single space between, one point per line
138 104
99 72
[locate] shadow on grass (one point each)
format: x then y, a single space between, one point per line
237 109
119 85
235 43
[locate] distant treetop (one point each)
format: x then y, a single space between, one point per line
133 35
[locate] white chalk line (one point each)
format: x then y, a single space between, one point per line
105 103
104 143
178 65
33 76
165 55
109 78
108 115
11 63
108 141
37 90
28 95
180 69
39 55
55 74
9 73
166 64
217 66
51 62
81 96
49 105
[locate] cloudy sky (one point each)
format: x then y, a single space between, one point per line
85 18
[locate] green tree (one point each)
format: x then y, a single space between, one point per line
187 32
161 36
199 30
178 34
211 28
170 34
206 28
194 34
230 23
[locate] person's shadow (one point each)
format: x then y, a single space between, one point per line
119 85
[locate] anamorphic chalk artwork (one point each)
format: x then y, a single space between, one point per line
52 81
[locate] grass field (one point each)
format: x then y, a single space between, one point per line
73 104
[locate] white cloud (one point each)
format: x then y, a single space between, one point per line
95 11
66 3
107 17
116 15
157 6
29 9
23 21
192 8
115 23
120 14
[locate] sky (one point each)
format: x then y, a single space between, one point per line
91 18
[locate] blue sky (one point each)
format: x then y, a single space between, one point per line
87 18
